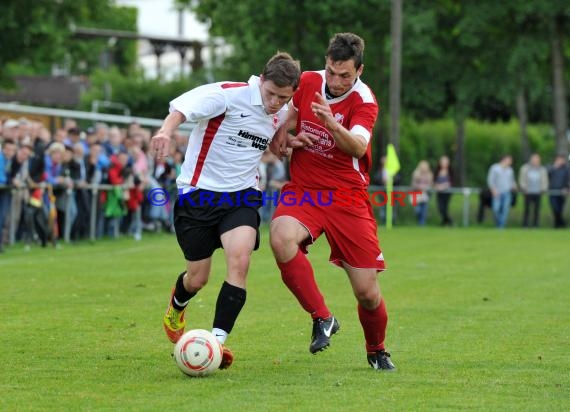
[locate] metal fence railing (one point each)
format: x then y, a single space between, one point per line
21 194
18 195
465 195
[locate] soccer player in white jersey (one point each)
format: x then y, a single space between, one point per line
218 195
335 105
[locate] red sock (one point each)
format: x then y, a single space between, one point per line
374 324
298 275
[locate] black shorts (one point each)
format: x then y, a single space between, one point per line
202 216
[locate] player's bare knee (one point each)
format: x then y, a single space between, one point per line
238 262
193 283
238 267
368 299
279 239
196 285
275 235
283 237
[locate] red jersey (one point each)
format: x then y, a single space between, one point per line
323 165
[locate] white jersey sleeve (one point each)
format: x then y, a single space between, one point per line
203 102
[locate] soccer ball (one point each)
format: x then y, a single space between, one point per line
198 353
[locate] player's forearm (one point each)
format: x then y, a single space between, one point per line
278 143
172 122
291 120
350 143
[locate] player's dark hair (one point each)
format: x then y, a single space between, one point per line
283 70
346 46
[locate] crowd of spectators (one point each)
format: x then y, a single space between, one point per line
533 182
50 183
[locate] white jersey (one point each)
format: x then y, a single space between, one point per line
233 130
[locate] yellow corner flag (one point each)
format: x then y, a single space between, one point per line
392 162
392 166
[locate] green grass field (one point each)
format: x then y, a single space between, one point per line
479 320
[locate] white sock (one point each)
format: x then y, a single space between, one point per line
220 334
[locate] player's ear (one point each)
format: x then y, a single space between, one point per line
360 70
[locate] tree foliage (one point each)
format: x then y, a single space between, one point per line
460 58
256 30
37 34
470 56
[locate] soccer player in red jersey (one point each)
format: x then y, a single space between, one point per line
218 195
339 111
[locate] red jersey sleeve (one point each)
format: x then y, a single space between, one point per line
364 115
298 96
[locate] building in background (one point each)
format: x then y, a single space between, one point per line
161 19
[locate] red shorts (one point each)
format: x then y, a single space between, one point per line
351 230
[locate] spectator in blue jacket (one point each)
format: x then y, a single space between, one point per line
6 156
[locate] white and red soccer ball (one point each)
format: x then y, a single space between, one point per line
198 353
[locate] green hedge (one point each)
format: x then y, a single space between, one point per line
484 144
144 97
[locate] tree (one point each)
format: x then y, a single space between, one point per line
461 58
444 68
301 27
478 58
537 62
395 72
559 103
37 34
255 31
